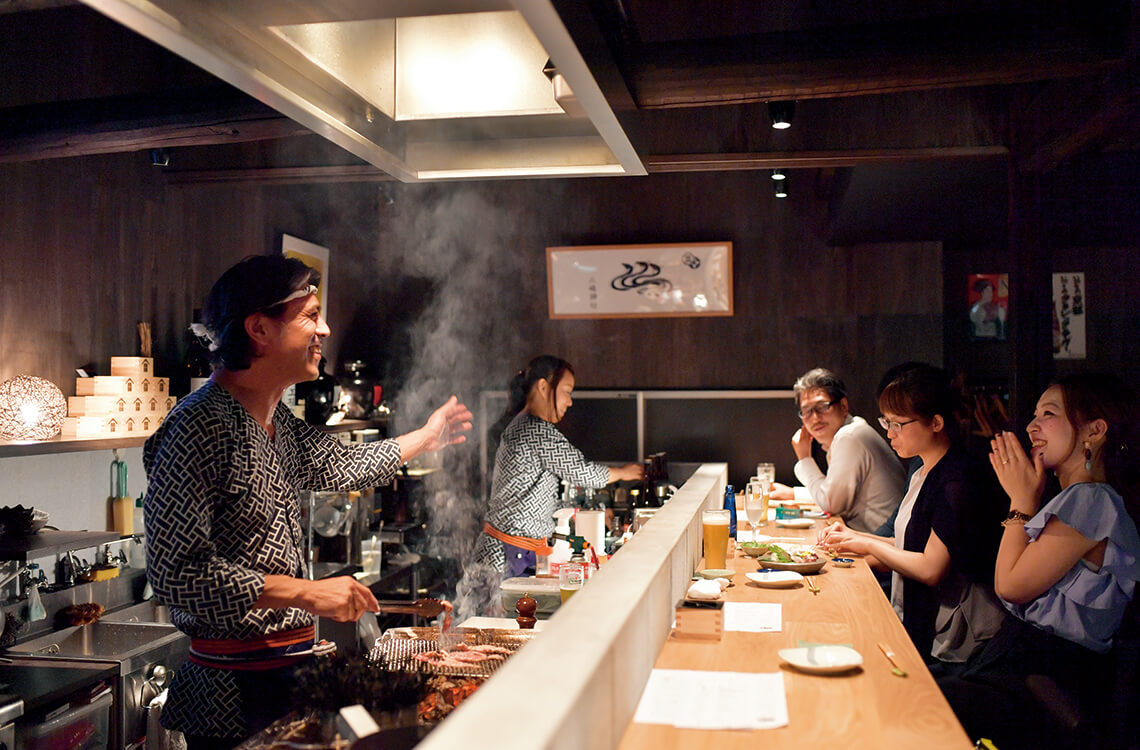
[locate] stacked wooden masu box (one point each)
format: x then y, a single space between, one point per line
129 401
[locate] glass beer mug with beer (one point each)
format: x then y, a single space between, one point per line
714 529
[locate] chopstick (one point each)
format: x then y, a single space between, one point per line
814 589
896 669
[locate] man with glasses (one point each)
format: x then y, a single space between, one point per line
864 480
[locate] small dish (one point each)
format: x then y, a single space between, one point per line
711 573
751 551
797 567
822 659
774 579
795 523
842 562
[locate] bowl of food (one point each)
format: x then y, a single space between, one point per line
796 557
752 549
16 520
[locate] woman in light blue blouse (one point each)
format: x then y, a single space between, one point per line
1066 569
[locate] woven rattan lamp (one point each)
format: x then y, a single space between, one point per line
31 408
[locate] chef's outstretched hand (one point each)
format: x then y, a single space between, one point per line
447 424
444 427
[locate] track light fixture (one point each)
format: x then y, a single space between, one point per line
159 157
780 113
781 188
779 174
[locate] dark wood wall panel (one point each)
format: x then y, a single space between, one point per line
444 288
799 303
94 245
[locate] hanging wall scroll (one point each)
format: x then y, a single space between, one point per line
640 281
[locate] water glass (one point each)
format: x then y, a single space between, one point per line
766 471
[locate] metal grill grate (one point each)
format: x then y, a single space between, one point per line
398 647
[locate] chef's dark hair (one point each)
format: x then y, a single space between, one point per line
255 284
923 391
819 378
546 367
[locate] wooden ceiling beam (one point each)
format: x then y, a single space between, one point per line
656 164
1067 118
135 123
856 61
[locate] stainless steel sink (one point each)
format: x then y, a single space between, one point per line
149 611
100 641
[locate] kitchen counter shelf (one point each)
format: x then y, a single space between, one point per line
12 448
49 542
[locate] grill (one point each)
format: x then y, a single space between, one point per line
398 647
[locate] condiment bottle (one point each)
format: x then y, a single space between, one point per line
730 506
122 504
526 607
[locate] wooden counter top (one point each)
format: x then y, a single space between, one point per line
578 683
868 708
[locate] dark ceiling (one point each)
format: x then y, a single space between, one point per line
909 115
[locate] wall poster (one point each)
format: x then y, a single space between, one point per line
1069 306
988 298
640 281
314 256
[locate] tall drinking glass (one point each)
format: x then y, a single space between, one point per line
714 528
756 505
766 471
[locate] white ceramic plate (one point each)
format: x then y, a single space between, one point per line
795 523
775 579
822 659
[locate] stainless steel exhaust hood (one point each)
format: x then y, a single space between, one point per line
422 89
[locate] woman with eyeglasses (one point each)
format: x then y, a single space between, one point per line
946 532
1067 567
864 480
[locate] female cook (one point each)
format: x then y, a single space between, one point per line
1066 569
946 533
532 460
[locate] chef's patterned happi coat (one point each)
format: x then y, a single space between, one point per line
533 459
222 511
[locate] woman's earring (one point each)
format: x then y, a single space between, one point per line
1088 457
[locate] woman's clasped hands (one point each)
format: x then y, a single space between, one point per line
1022 477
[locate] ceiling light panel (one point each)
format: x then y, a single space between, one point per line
470 65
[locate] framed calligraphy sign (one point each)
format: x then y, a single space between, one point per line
640 281
1069 307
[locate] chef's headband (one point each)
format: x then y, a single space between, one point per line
203 331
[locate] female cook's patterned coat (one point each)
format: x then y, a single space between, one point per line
533 457
222 511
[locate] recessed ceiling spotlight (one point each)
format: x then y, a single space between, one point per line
779 174
780 113
781 187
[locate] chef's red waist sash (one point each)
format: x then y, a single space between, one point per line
254 654
537 546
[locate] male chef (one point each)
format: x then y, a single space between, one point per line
222 511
